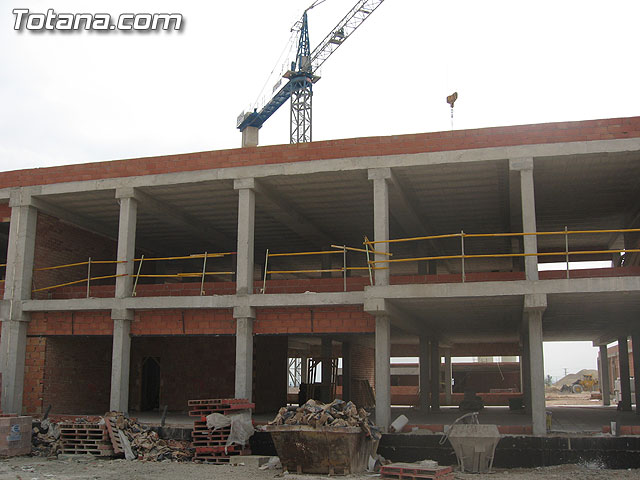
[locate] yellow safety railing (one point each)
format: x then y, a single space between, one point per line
86 280
202 274
340 249
462 256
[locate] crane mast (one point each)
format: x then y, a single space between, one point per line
302 76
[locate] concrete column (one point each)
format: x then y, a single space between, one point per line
526 373
126 241
250 137
525 167
605 382
625 377
120 360
121 346
246 226
448 376
380 178
346 371
383 372
304 372
327 353
536 368
425 372
534 306
435 376
635 345
18 280
244 351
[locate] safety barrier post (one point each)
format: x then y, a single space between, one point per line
344 267
204 269
266 264
462 255
135 283
88 276
366 246
566 247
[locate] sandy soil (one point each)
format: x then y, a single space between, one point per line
556 398
33 468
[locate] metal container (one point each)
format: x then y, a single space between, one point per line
324 450
475 446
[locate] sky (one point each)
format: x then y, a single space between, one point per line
87 96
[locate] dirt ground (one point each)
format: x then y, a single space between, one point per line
554 397
36 468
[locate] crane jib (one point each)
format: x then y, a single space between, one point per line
257 119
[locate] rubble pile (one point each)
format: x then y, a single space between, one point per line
45 441
136 441
145 444
335 414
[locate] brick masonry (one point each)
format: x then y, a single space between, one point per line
558 132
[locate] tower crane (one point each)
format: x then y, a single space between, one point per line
303 74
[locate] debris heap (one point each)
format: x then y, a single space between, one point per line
45 441
124 436
335 414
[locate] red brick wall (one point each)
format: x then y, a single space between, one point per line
339 319
270 372
363 368
190 368
77 375
71 323
357 147
34 375
59 243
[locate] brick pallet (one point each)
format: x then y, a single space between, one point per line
210 444
85 438
412 471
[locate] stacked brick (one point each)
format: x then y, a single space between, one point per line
211 445
415 471
86 438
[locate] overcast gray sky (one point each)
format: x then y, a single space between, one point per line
85 96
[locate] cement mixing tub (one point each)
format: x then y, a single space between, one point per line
475 446
324 450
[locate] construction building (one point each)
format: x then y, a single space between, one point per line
209 270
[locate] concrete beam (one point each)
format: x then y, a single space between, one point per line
283 210
179 218
399 318
496 289
345 164
74 219
412 223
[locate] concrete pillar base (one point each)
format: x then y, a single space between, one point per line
12 358
244 358
120 364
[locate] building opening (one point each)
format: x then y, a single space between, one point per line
150 384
